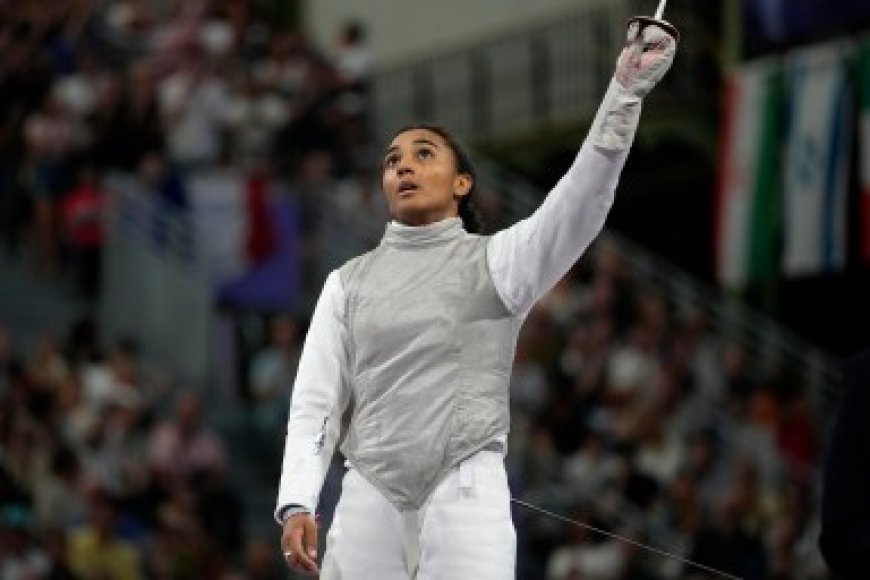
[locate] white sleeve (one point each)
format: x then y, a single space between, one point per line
320 395
528 258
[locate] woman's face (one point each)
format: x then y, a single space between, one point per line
421 180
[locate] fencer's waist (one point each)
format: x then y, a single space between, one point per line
494 446
407 480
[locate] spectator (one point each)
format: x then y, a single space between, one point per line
587 556
632 368
127 123
725 544
58 499
591 468
254 115
97 550
48 366
79 92
181 446
353 60
583 362
659 451
528 383
76 419
289 71
193 106
20 557
250 35
115 381
82 217
738 381
353 64
57 549
562 303
52 136
219 509
272 372
796 434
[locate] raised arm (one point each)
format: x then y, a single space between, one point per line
527 259
320 395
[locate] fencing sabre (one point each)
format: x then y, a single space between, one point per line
654 550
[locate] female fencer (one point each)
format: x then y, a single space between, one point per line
419 334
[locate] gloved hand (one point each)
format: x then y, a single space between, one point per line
646 58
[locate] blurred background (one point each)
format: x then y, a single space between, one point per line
178 177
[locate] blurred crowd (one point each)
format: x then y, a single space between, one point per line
628 414
108 471
159 89
632 415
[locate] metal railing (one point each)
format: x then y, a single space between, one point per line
545 75
155 289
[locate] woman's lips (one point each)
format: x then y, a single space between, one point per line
407 189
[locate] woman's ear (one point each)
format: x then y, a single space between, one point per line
462 185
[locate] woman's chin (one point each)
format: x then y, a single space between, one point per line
411 213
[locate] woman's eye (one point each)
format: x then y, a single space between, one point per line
391 161
424 154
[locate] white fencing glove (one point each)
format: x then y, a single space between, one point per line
646 58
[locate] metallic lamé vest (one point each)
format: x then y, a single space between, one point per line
430 346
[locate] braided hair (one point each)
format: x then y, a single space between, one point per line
469 213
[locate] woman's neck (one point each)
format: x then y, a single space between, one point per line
400 234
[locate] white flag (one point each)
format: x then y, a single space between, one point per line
818 138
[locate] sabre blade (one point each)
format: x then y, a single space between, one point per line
661 10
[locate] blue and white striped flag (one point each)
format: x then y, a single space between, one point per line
816 165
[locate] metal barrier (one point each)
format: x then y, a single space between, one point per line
155 289
548 74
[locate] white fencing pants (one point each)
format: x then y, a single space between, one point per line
463 532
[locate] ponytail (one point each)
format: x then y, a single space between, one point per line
470 215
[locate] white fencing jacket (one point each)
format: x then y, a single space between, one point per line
410 388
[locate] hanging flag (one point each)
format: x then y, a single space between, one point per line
235 225
248 236
261 237
864 92
747 220
816 170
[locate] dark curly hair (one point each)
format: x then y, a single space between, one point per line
468 211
